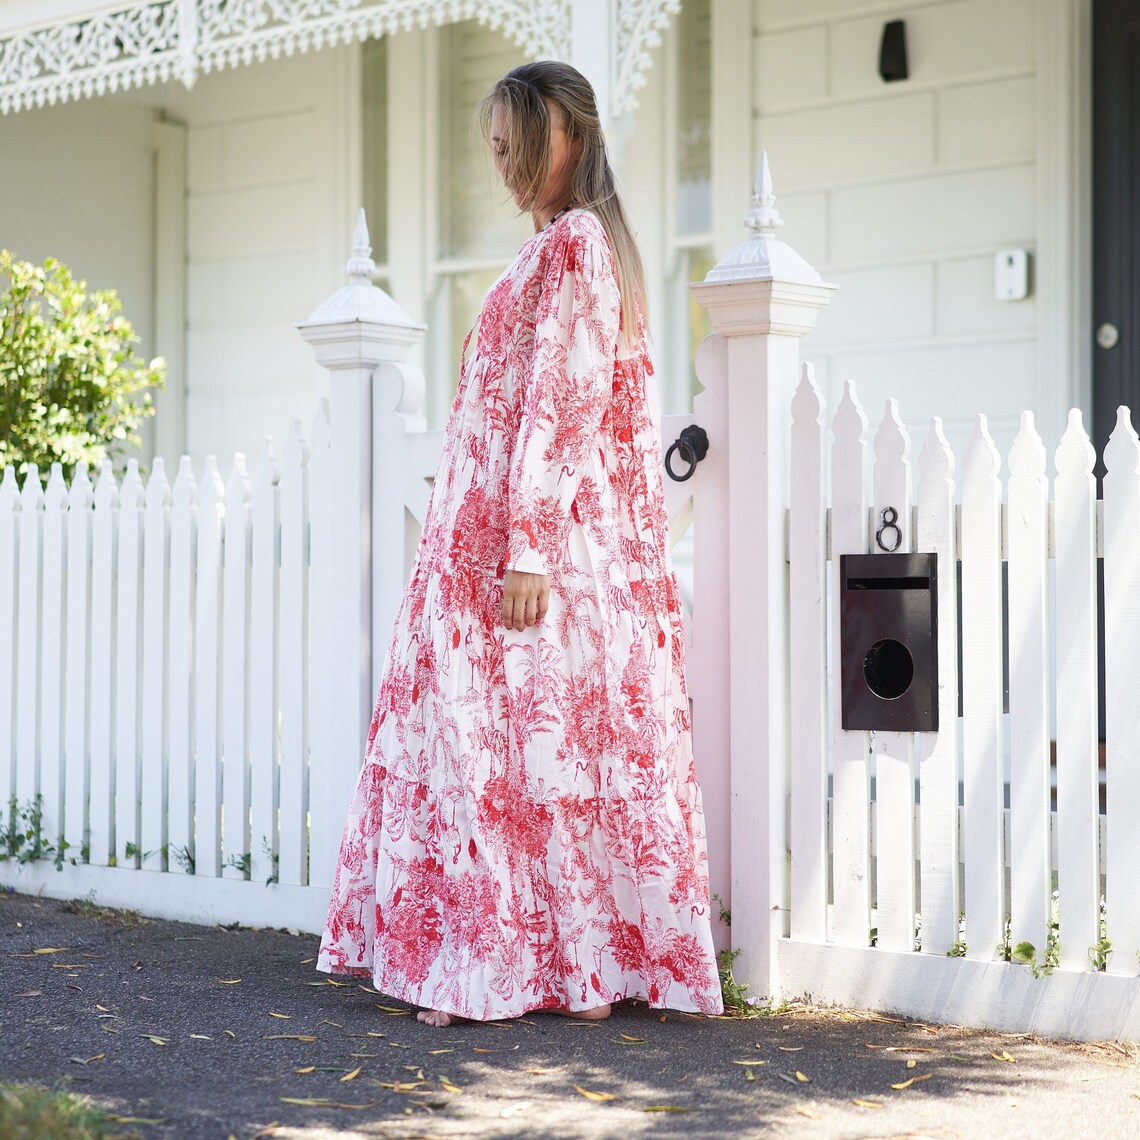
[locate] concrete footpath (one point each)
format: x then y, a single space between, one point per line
194 1032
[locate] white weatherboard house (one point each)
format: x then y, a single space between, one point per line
186 665
207 159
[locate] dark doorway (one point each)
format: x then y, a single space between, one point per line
1116 213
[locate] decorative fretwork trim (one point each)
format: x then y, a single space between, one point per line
640 24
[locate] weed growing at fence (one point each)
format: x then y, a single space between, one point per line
89 908
274 858
725 914
184 857
22 837
134 851
1101 950
51 1114
734 994
240 862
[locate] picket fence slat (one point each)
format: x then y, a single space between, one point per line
1078 874
207 853
982 776
808 688
156 568
936 754
76 776
851 776
9 566
104 624
1028 557
894 751
263 668
52 599
235 673
28 636
1122 684
180 672
127 613
293 646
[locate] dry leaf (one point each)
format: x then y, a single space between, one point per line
228 981
476 1049
1003 1056
102 1009
306 1069
634 1040
866 1103
200 1037
911 1064
912 1081
321 1102
51 950
136 1119
448 1086
393 1010
802 1078
154 1040
809 1114
230 1033
591 1095
789 1048
440 1052
287 1037
788 1077
751 1062
351 1076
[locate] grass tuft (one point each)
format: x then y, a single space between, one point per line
30 1112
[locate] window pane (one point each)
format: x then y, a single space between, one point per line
478 219
694 118
374 124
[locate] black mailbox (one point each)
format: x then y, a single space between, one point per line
889 641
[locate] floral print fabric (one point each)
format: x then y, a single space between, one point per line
527 829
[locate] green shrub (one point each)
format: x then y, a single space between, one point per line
72 388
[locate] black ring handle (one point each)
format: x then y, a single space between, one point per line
693 444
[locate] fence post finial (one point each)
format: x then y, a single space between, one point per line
764 218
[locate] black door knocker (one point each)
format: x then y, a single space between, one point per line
693 444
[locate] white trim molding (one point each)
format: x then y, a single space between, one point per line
134 44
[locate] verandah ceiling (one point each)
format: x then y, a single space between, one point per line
89 49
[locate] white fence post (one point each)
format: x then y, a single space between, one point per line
355 330
761 298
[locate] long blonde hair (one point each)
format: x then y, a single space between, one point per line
523 94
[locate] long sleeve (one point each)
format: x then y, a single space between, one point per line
568 391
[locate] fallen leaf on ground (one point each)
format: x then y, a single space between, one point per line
228 981
665 1108
393 1009
802 1078
30 993
477 1049
200 1037
230 1033
625 1039
789 1048
135 1119
912 1081
87 1060
448 1086
306 1069
351 1076
788 1077
155 1040
809 1114
66 966
322 1102
366 989
589 1094
51 950
1003 1056
283 1016
866 1103
911 1064
440 1052
287 1037
751 1062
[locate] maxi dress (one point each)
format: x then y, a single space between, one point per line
527 829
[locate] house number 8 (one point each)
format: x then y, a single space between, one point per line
889 529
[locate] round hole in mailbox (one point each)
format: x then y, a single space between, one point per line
888 669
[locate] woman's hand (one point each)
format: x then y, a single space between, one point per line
525 599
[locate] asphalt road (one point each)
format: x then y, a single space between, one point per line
202 1032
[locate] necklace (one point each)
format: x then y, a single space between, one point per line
564 210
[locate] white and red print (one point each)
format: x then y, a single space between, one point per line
527 830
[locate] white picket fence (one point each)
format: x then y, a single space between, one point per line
157 683
884 884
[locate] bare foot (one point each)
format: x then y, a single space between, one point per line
598 1013
438 1019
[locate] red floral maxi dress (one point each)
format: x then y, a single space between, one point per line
527 829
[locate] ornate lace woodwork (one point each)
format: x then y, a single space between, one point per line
136 44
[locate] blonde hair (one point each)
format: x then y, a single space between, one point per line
525 94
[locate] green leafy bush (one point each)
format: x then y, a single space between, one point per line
72 388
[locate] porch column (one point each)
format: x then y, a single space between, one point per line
363 338
761 299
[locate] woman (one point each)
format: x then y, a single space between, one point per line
527 831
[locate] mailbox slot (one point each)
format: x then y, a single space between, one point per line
889 642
